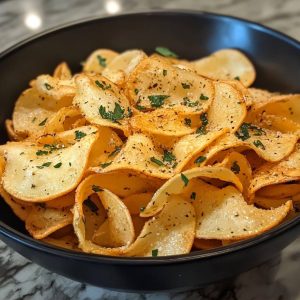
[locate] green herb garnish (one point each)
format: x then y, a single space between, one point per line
189 103
102 61
136 91
117 150
168 156
114 116
41 152
154 252
96 188
202 130
103 85
203 97
142 208
43 122
48 86
157 100
79 135
105 165
58 165
259 144
44 165
165 72
156 161
237 78
165 52
184 179
200 159
235 168
243 132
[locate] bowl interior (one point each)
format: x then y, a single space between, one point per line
191 35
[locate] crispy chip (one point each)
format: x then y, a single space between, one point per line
280 190
32 111
99 60
227 64
42 221
228 109
101 101
40 173
177 185
268 203
69 242
118 218
240 166
122 65
157 83
171 232
62 71
203 244
224 215
12 135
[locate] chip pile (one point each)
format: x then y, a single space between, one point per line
143 155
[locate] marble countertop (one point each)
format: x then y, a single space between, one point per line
21 279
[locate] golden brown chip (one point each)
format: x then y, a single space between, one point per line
62 72
170 232
101 101
38 173
98 60
203 244
156 83
224 214
227 64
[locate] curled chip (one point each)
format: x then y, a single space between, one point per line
41 173
240 166
180 182
12 135
32 111
101 101
42 220
68 241
268 203
164 122
280 190
228 109
227 64
286 170
122 65
176 227
119 222
156 83
63 72
99 60
225 215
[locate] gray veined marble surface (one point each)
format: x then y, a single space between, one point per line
21 279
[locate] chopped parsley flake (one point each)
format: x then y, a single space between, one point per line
44 165
168 156
48 86
157 100
136 91
33 120
165 52
96 188
114 152
235 168
156 161
237 78
187 122
105 165
58 165
200 159
43 122
41 152
103 85
114 116
244 134
189 103
203 97
202 130
79 135
184 179
154 252
185 85
102 61
259 144
138 106
193 195
165 72
91 205
142 208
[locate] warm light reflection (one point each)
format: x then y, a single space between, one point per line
33 21
112 6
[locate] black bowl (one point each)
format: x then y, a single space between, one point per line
192 35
